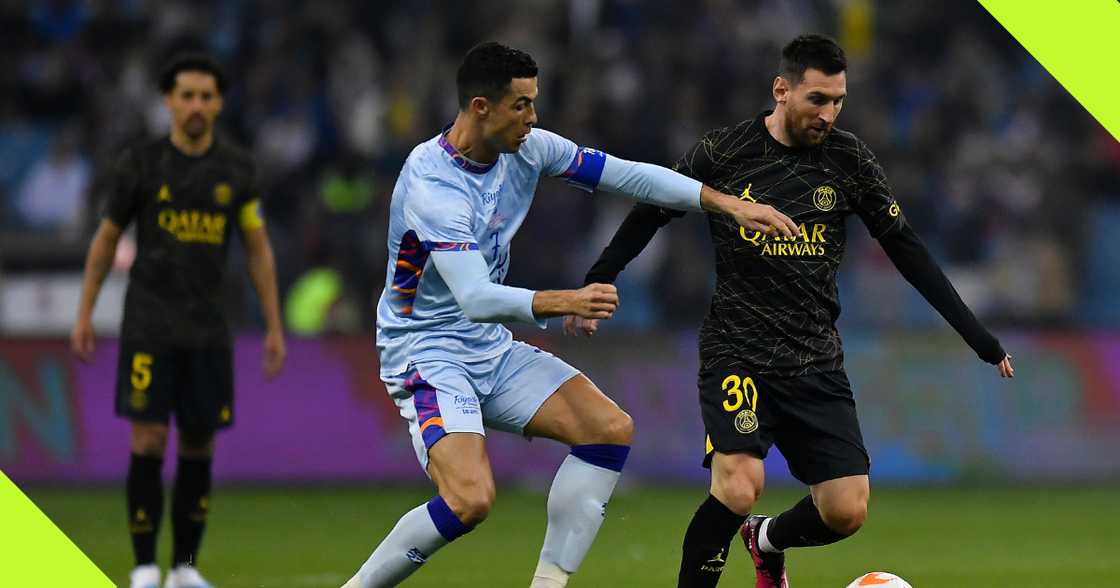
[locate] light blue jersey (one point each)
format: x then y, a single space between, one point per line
450 225
444 202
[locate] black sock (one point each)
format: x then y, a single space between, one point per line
144 496
705 544
800 526
190 503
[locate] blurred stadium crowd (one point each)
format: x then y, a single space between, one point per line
1012 184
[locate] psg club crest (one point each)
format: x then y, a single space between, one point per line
824 198
223 194
746 421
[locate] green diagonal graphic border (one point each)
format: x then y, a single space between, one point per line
34 551
1076 41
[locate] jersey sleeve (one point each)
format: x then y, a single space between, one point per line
551 153
915 263
441 214
557 156
875 202
122 201
248 211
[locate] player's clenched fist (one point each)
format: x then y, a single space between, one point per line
595 301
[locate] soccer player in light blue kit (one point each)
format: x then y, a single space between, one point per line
446 360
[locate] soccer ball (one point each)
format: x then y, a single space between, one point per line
880 580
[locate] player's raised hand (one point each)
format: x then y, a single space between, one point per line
577 325
1005 369
274 353
82 339
595 301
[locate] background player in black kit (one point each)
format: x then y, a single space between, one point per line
771 364
188 193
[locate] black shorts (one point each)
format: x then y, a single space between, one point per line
812 420
155 380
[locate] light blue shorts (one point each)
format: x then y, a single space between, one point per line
438 397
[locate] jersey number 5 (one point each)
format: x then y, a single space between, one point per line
141 379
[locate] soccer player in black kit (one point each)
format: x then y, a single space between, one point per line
187 193
771 364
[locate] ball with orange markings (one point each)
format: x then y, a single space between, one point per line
879 580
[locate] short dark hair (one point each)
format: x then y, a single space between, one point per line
488 69
190 62
811 51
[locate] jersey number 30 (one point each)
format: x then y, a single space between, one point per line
737 388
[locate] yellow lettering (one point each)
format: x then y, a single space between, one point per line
766 250
804 235
194 225
205 224
818 232
167 220
753 239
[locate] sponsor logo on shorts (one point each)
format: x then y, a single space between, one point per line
746 421
466 404
465 400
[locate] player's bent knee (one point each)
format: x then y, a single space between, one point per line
472 508
737 497
737 490
149 440
196 445
619 430
471 503
845 519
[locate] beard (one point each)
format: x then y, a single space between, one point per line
804 136
195 126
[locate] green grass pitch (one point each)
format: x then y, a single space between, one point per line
317 537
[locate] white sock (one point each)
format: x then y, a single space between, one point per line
549 575
577 504
763 541
403 551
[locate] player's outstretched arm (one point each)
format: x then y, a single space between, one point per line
99 260
654 184
914 261
482 301
645 220
262 270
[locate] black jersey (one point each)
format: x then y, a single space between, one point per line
185 209
775 303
